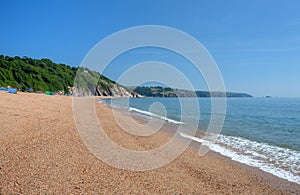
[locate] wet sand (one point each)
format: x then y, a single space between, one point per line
41 152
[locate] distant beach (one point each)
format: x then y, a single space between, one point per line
41 152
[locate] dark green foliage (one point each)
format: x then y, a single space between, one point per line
40 75
145 91
203 93
157 91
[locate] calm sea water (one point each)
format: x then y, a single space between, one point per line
260 132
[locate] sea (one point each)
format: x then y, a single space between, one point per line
259 132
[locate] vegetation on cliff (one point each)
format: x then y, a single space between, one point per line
45 75
40 75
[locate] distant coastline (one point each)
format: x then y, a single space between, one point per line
159 91
32 75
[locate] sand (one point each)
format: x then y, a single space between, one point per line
42 153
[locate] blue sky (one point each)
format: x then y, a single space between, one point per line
256 44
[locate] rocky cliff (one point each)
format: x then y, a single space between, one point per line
88 82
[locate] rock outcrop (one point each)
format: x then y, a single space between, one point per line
112 89
91 83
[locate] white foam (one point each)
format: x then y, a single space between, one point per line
281 162
155 115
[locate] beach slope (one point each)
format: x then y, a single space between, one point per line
41 152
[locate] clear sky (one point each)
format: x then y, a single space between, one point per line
256 44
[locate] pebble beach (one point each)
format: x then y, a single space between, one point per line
42 153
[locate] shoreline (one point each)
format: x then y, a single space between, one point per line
41 152
273 179
143 115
